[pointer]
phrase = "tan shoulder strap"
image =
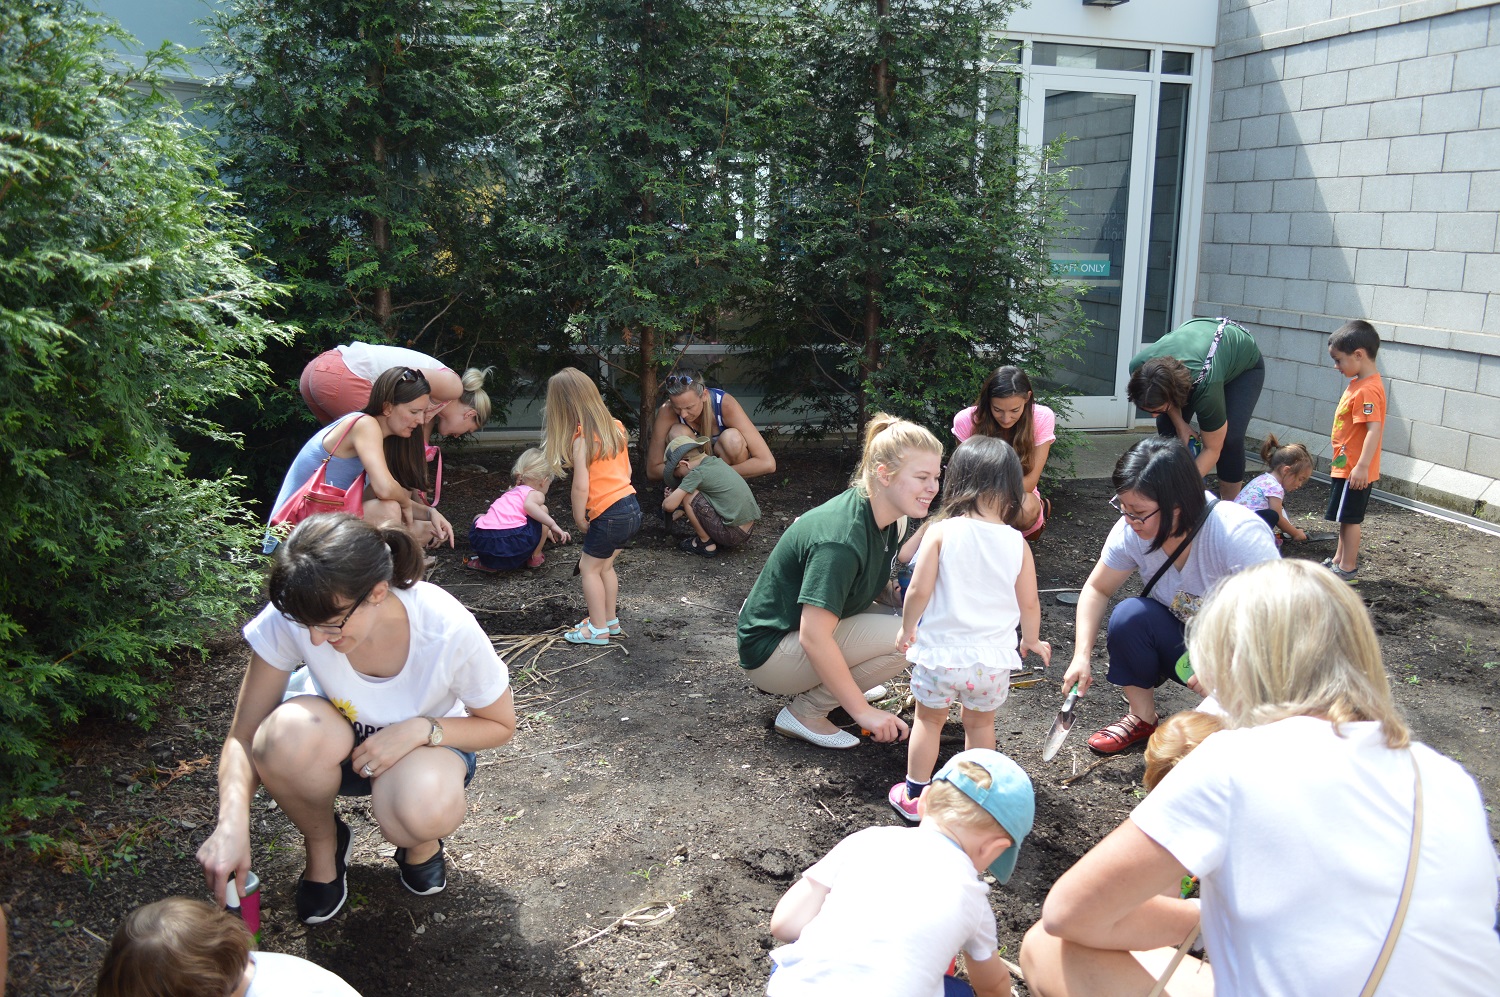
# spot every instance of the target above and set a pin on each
(1411, 877)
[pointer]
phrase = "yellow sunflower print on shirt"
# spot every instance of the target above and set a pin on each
(346, 708)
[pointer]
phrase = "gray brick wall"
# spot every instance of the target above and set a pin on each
(1354, 172)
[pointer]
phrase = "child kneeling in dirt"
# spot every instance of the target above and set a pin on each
(712, 495)
(885, 912)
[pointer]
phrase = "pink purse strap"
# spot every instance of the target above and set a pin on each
(342, 436)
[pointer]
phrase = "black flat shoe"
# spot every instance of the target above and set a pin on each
(424, 878)
(319, 902)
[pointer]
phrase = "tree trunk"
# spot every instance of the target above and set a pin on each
(380, 226)
(648, 346)
(874, 275)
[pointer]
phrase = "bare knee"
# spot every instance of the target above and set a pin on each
(1039, 960)
(382, 512)
(731, 447)
(299, 736)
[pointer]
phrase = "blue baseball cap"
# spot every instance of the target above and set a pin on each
(1009, 799)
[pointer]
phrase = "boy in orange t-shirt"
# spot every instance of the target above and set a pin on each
(1358, 424)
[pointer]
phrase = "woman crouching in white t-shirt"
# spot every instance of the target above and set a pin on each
(400, 687)
(1298, 822)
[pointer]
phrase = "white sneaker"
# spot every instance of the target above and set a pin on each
(788, 725)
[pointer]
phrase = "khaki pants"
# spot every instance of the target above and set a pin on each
(868, 641)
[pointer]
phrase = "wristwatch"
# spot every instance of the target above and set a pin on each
(434, 736)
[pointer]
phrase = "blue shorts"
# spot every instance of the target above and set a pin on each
(505, 550)
(613, 528)
(352, 783)
(1345, 504)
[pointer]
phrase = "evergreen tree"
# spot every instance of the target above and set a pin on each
(911, 241)
(127, 301)
(636, 133)
(360, 136)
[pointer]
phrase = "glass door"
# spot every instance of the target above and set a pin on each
(1108, 152)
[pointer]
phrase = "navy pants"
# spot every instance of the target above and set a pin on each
(1144, 640)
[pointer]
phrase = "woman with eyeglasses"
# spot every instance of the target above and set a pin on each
(1210, 369)
(338, 382)
(382, 441)
(363, 681)
(694, 409)
(1182, 542)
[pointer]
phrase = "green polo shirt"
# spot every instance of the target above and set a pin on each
(834, 557)
(1189, 343)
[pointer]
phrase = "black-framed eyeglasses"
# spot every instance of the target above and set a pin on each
(331, 629)
(1114, 502)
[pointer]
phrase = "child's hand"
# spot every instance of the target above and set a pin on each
(906, 638)
(1299, 534)
(560, 536)
(1041, 648)
(1359, 478)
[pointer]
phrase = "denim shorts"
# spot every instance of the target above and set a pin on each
(352, 783)
(613, 528)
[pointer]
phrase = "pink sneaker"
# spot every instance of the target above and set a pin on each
(902, 804)
(536, 561)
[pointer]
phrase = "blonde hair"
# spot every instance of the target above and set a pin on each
(1288, 638)
(530, 466)
(474, 395)
(952, 807)
(574, 403)
(1178, 735)
(887, 442)
(175, 948)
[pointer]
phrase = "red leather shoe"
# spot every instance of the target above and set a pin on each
(1123, 733)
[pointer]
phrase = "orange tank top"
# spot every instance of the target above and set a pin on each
(609, 477)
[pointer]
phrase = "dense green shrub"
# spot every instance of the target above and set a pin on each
(358, 135)
(912, 225)
(127, 307)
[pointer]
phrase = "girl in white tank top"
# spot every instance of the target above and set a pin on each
(974, 583)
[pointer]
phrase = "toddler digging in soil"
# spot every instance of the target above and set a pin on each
(853, 931)
(1288, 468)
(516, 527)
(973, 584)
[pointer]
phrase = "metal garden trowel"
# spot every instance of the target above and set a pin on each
(1060, 727)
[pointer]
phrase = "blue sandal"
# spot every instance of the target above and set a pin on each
(613, 626)
(587, 633)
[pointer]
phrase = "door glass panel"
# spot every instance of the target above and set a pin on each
(1101, 127)
(1165, 212)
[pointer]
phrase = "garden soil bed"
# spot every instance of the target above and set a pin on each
(653, 779)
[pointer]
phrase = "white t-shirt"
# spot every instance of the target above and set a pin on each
(370, 360)
(1300, 838)
(451, 663)
(1233, 539)
(278, 975)
(973, 615)
(869, 941)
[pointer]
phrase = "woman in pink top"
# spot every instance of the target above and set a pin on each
(1006, 409)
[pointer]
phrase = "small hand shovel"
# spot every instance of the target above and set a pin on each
(1060, 727)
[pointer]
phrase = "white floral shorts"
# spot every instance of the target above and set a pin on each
(978, 687)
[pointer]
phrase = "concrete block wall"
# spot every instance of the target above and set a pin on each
(1354, 172)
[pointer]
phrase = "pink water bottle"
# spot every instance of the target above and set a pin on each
(247, 910)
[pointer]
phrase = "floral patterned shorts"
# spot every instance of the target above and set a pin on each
(978, 687)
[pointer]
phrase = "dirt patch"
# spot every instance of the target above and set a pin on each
(651, 782)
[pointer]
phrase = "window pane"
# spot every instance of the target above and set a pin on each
(1004, 50)
(1125, 60)
(1177, 63)
(1162, 249)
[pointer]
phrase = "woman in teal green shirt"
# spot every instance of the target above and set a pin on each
(808, 628)
(1210, 368)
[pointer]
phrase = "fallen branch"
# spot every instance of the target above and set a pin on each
(1103, 761)
(642, 917)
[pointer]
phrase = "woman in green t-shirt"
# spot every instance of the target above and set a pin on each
(809, 629)
(1210, 368)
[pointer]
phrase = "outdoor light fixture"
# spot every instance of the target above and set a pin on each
(1104, 3)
